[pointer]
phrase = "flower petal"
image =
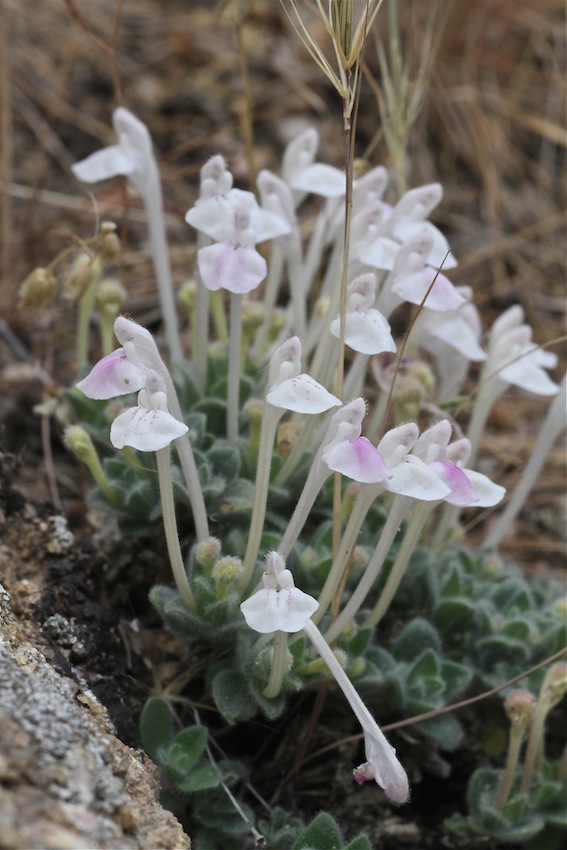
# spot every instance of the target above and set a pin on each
(112, 376)
(103, 164)
(416, 479)
(365, 331)
(285, 610)
(145, 430)
(357, 459)
(486, 491)
(302, 395)
(462, 492)
(320, 179)
(442, 296)
(223, 266)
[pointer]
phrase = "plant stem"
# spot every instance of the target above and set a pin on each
(170, 528)
(278, 665)
(233, 376)
(411, 538)
(270, 421)
(398, 511)
(160, 256)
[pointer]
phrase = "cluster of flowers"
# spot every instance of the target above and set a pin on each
(395, 256)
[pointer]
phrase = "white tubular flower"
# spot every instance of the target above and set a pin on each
(290, 390)
(366, 329)
(149, 426)
(304, 175)
(279, 606)
(381, 764)
(516, 359)
(132, 157)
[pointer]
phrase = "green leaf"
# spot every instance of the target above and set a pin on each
(445, 729)
(200, 779)
(188, 747)
(455, 615)
(237, 497)
(361, 842)
(321, 834)
(156, 727)
(232, 696)
(427, 665)
(224, 460)
(419, 634)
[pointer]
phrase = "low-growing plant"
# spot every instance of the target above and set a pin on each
(306, 551)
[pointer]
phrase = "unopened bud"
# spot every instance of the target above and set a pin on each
(227, 570)
(277, 323)
(82, 273)
(422, 373)
(554, 684)
(110, 243)
(254, 412)
(78, 441)
(287, 437)
(322, 307)
(519, 707)
(110, 297)
(38, 289)
(208, 552)
(253, 314)
(356, 668)
(188, 295)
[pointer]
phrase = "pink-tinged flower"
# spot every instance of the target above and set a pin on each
(114, 375)
(279, 606)
(234, 263)
(357, 459)
(149, 426)
(216, 207)
(383, 767)
(132, 157)
(290, 390)
(487, 493)
(411, 278)
(124, 370)
(382, 764)
(390, 464)
(366, 329)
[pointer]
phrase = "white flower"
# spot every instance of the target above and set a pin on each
(149, 426)
(132, 157)
(279, 606)
(290, 390)
(366, 329)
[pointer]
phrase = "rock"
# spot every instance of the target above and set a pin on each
(66, 781)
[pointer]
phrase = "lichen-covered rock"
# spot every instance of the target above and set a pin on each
(66, 781)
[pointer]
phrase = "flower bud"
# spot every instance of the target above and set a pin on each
(110, 297)
(38, 289)
(83, 271)
(287, 437)
(208, 552)
(253, 315)
(519, 707)
(110, 243)
(254, 412)
(227, 570)
(423, 374)
(188, 295)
